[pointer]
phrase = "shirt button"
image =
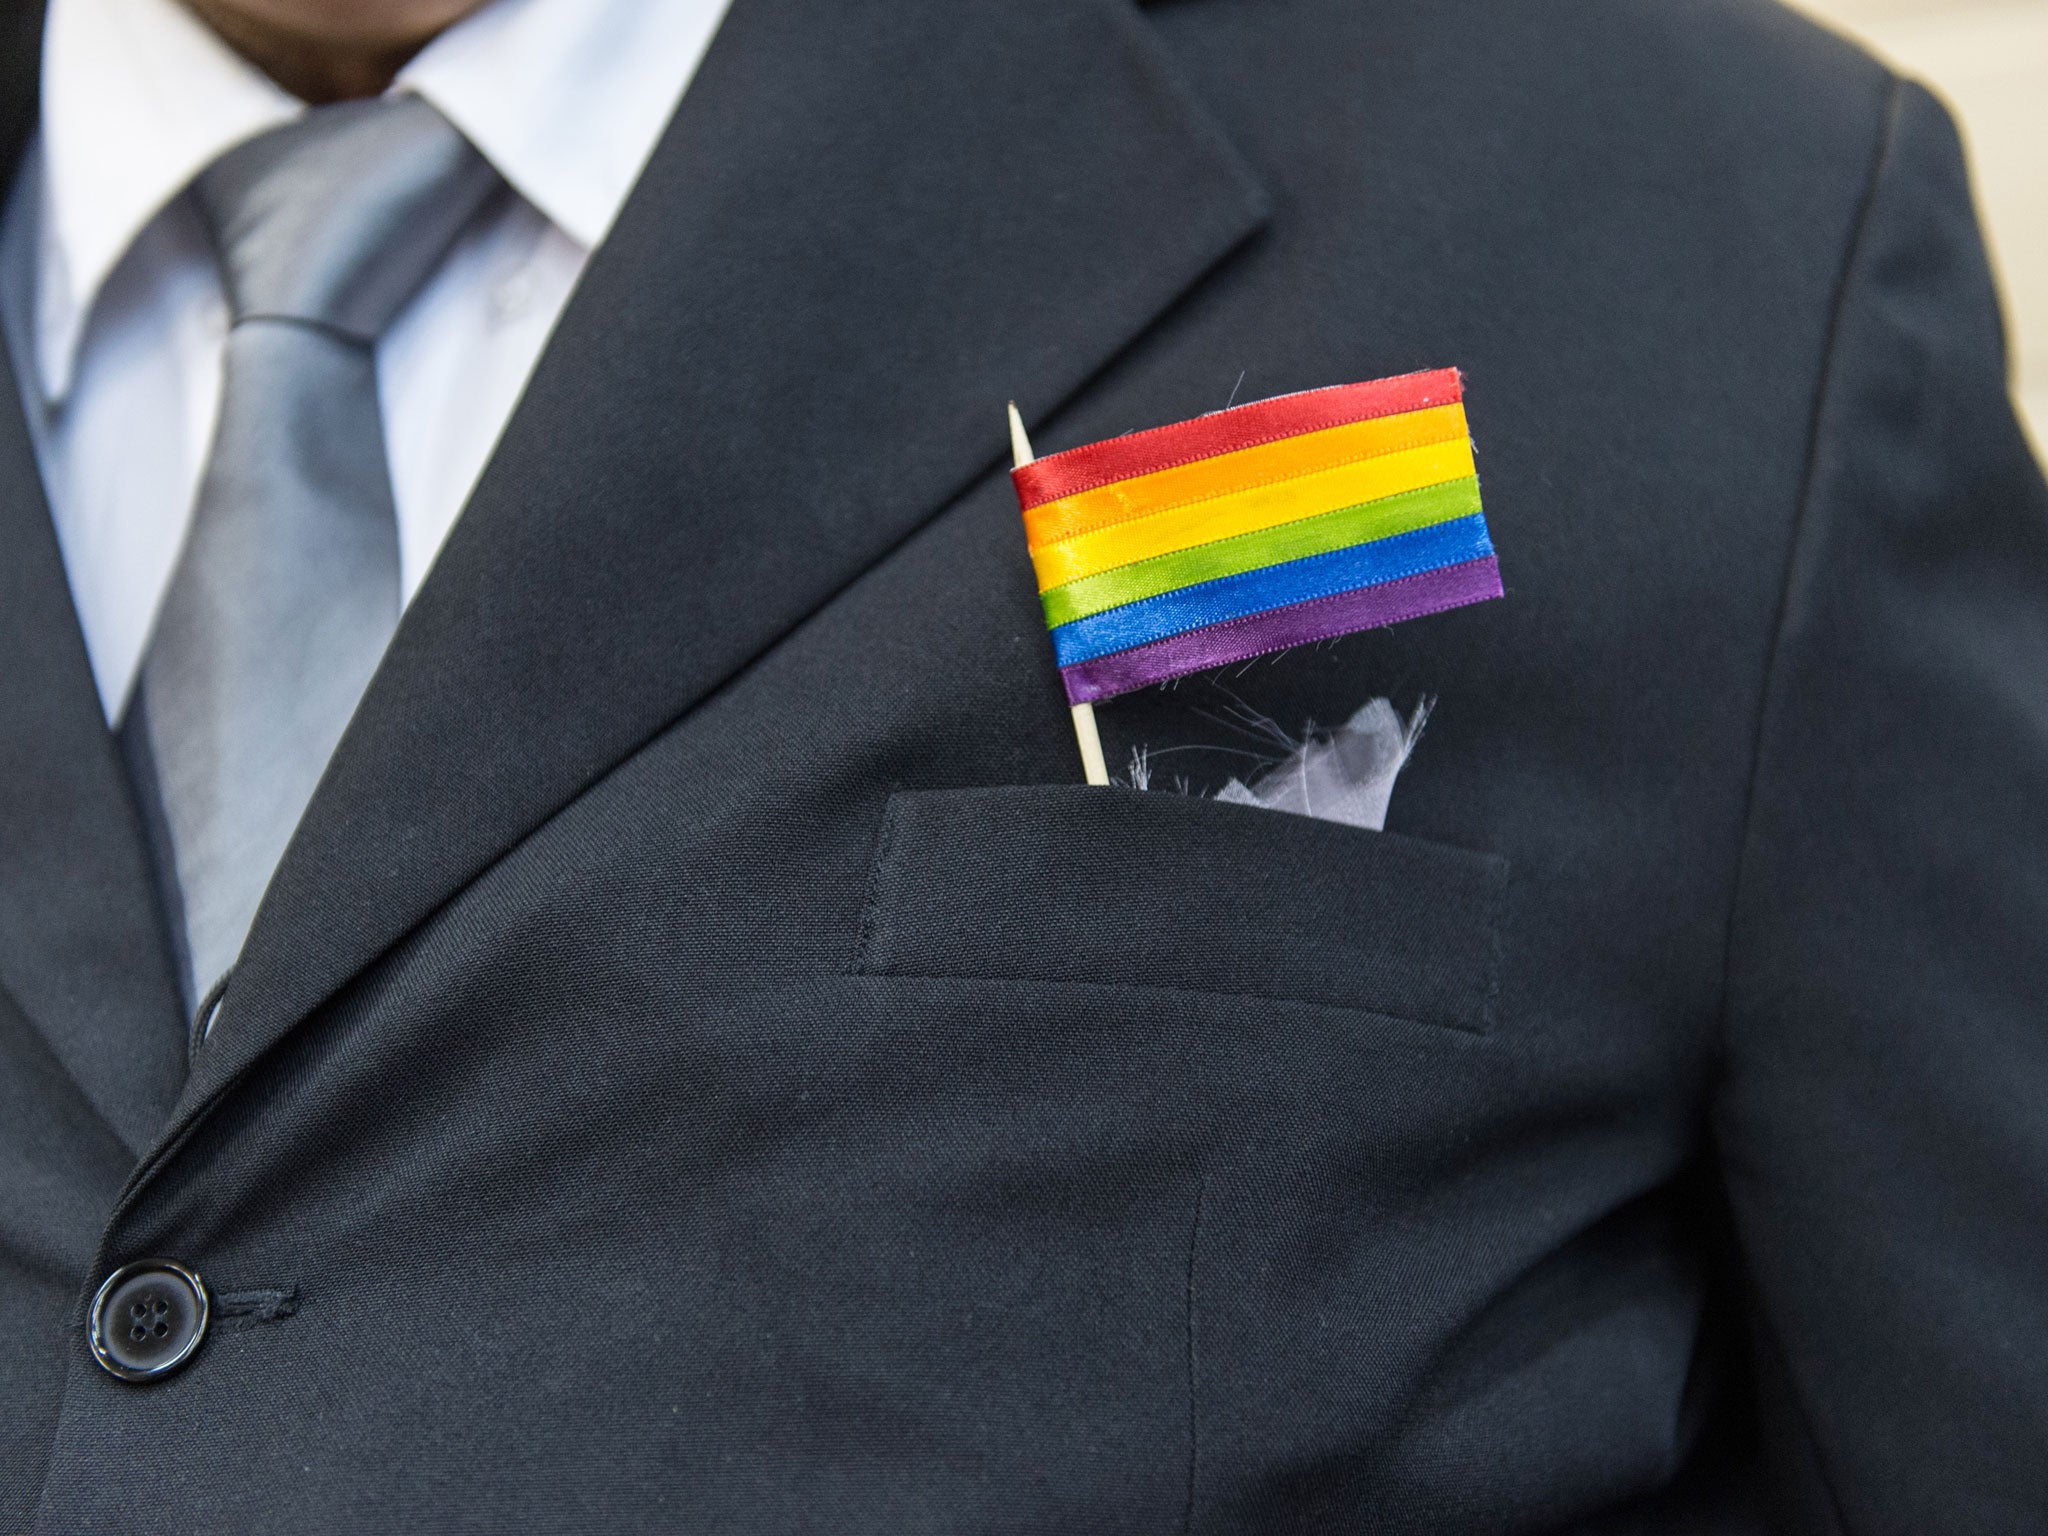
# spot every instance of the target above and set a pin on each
(148, 1319)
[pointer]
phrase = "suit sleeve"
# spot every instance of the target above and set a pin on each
(1882, 1106)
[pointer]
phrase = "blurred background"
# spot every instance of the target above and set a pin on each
(1989, 59)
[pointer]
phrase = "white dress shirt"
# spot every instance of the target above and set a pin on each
(112, 301)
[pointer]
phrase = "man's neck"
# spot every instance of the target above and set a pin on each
(316, 69)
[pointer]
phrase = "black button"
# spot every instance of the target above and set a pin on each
(148, 1319)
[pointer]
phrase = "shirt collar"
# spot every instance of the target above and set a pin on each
(139, 96)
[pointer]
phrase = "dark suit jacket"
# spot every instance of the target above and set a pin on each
(707, 1064)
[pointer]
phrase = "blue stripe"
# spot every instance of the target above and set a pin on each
(1271, 586)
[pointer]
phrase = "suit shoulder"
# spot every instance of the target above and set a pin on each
(1736, 92)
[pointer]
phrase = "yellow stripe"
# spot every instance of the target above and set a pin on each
(1266, 506)
(1225, 474)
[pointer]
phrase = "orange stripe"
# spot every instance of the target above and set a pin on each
(1241, 512)
(1246, 469)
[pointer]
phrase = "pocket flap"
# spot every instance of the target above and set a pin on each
(1122, 888)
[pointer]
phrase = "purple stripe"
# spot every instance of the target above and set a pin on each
(1324, 618)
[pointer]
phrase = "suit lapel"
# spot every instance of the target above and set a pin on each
(82, 944)
(868, 226)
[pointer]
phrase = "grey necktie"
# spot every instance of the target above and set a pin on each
(287, 589)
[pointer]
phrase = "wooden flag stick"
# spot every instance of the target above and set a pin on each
(1092, 766)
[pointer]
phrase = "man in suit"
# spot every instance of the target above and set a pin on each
(555, 969)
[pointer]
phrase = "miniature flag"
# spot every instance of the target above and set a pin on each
(1255, 529)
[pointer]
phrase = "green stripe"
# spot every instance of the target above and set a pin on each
(1297, 540)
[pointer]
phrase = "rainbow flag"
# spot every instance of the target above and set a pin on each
(1255, 529)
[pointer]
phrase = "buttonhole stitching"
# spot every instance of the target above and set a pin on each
(865, 943)
(252, 1308)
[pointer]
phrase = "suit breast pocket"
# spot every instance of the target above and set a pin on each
(1111, 887)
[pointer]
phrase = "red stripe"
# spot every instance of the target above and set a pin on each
(1246, 426)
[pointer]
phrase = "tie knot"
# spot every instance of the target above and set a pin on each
(337, 218)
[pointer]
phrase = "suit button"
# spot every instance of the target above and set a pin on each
(148, 1319)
